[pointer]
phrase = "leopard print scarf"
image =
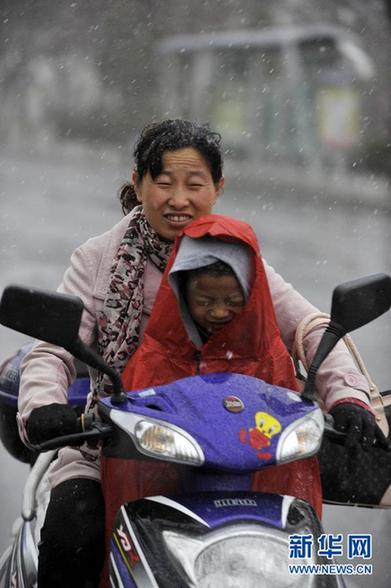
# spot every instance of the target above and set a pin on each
(120, 319)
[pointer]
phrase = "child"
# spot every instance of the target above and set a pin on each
(213, 313)
(175, 345)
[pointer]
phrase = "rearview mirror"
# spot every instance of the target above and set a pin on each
(359, 302)
(50, 316)
(354, 304)
(55, 318)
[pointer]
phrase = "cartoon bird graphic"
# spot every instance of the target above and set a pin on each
(259, 437)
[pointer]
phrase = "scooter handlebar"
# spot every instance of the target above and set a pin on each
(93, 432)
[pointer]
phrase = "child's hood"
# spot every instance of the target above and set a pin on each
(250, 344)
(194, 253)
(250, 334)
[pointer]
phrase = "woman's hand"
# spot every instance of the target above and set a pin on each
(52, 420)
(359, 425)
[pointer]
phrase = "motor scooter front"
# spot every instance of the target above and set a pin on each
(218, 429)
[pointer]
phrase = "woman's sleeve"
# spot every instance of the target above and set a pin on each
(338, 377)
(48, 370)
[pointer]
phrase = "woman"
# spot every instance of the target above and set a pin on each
(177, 179)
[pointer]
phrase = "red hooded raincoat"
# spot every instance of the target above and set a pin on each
(166, 354)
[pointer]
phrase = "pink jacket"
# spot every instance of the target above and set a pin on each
(47, 371)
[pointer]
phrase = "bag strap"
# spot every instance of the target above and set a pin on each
(319, 318)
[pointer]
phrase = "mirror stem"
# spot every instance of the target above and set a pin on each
(90, 357)
(333, 333)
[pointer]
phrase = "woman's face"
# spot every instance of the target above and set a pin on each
(181, 193)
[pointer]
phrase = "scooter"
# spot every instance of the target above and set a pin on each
(217, 532)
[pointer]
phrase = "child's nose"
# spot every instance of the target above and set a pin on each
(220, 311)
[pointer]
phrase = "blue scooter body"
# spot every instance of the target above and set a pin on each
(172, 540)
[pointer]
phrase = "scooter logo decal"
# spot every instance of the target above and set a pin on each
(223, 502)
(125, 542)
(233, 404)
(129, 553)
(259, 437)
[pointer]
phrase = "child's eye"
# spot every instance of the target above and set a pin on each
(195, 186)
(237, 302)
(203, 302)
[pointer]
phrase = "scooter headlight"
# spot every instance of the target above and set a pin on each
(158, 440)
(302, 438)
(247, 556)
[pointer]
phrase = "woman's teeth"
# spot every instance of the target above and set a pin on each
(178, 217)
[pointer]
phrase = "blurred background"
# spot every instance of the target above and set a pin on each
(302, 83)
(299, 89)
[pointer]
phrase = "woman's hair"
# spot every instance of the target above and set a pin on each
(169, 135)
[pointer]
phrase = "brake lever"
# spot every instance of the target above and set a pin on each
(98, 432)
(331, 432)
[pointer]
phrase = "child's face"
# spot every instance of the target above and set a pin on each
(214, 301)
